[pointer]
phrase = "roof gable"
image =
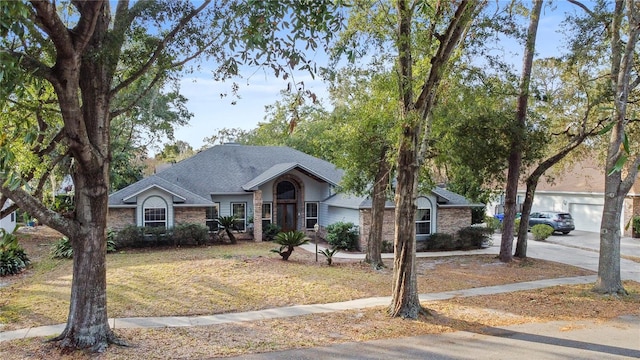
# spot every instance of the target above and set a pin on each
(232, 169)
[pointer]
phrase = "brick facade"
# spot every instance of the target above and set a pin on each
(449, 221)
(184, 215)
(119, 218)
(388, 227)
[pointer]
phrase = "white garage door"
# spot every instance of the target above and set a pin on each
(586, 217)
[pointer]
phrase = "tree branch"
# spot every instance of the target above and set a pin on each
(158, 51)
(47, 18)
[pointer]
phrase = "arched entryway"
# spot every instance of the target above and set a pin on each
(287, 209)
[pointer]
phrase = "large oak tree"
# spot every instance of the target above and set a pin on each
(88, 54)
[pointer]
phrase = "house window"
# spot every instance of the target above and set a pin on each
(13, 216)
(155, 212)
(238, 210)
(423, 222)
(286, 191)
(212, 215)
(311, 214)
(155, 217)
(266, 215)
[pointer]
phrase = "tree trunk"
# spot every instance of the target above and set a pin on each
(378, 200)
(609, 280)
(616, 188)
(405, 302)
(515, 156)
(87, 326)
(523, 230)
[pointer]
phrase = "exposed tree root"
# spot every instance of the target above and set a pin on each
(68, 344)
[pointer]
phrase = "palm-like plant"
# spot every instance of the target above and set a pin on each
(228, 223)
(328, 253)
(288, 241)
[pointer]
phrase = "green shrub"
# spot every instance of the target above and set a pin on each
(492, 223)
(288, 241)
(541, 231)
(130, 236)
(636, 225)
(270, 231)
(13, 259)
(440, 242)
(157, 236)
(474, 237)
(342, 235)
(190, 234)
(62, 249)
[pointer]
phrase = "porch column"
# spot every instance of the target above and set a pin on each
(257, 215)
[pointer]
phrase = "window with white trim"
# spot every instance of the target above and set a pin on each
(239, 211)
(266, 215)
(212, 214)
(423, 222)
(311, 214)
(155, 212)
(155, 217)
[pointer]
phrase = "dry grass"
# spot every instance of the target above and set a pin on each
(218, 279)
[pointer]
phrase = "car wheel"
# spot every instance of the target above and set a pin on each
(565, 232)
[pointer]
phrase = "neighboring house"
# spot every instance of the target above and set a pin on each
(579, 190)
(263, 185)
(8, 223)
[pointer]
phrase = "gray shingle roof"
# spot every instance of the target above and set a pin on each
(226, 168)
(445, 197)
(127, 195)
(452, 199)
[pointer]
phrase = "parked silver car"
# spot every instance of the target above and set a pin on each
(559, 221)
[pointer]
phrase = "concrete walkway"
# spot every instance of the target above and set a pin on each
(544, 250)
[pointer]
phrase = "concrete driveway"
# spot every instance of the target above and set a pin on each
(582, 249)
(591, 240)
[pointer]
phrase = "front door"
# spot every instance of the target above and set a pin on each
(287, 216)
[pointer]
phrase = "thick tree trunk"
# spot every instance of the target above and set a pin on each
(616, 188)
(405, 302)
(87, 326)
(378, 200)
(609, 279)
(515, 156)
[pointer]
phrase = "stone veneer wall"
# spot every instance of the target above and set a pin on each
(450, 220)
(119, 218)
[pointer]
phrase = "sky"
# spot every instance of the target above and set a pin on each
(261, 88)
